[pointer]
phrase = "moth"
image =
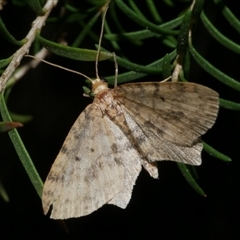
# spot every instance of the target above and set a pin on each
(126, 128)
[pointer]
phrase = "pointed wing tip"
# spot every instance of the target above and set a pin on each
(45, 207)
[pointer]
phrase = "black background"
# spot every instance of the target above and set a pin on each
(162, 209)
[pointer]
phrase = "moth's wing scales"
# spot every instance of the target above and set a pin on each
(89, 171)
(131, 160)
(165, 115)
(151, 168)
(181, 111)
(155, 148)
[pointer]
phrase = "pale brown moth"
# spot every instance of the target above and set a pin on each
(126, 128)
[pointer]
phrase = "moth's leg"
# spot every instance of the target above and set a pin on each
(116, 69)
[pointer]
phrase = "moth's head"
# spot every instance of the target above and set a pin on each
(98, 85)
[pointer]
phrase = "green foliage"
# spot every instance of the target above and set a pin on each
(146, 25)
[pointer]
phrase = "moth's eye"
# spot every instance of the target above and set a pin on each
(103, 79)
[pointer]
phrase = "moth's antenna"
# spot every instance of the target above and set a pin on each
(55, 65)
(105, 8)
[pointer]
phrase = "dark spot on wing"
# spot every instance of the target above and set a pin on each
(101, 165)
(92, 150)
(176, 115)
(67, 201)
(77, 158)
(52, 178)
(87, 199)
(160, 132)
(156, 92)
(141, 139)
(114, 148)
(147, 124)
(64, 149)
(118, 160)
(182, 87)
(91, 174)
(49, 193)
(76, 135)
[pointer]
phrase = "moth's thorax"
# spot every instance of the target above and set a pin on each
(108, 104)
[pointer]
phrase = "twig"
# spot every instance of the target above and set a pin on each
(21, 71)
(2, 3)
(179, 59)
(36, 25)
